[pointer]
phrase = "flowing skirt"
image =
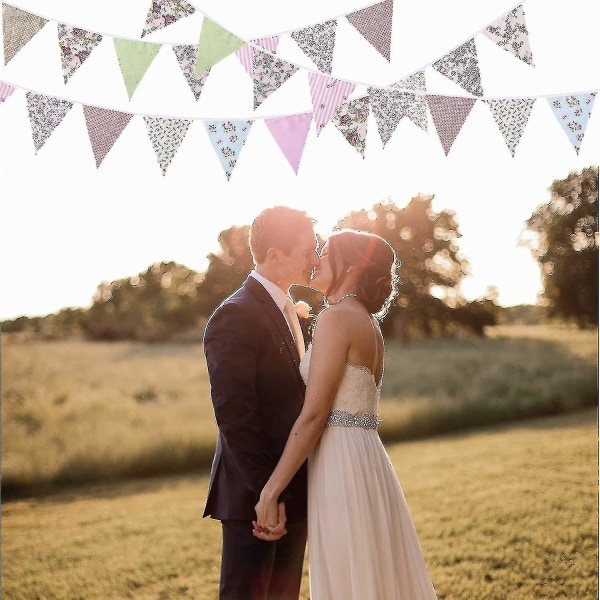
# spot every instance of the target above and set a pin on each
(362, 544)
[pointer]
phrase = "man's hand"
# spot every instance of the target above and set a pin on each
(262, 530)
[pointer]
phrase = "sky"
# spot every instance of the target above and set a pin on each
(66, 226)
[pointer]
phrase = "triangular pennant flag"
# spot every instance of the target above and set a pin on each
(573, 113)
(245, 54)
(374, 23)
(104, 128)
(76, 45)
(166, 136)
(215, 44)
(388, 108)
(449, 114)
(269, 73)
(510, 32)
(134, 59)
(351, 119)
(290, 134)
(511, 116)
(268, 43)
(414, 106)
(186, 57)
(462, 67)
(327, 94)
(45, 113)
(318, 43)
(18, 27)
(5, 91)
(228, 138)
(165, 12)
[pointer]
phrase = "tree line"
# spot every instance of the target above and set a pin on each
(171, 301)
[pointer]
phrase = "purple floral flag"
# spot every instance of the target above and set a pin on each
(449, 114)
(327, 94)
(76, 45)
(104, 128)
(269, 74)
(18, 27)
(166, 136)
(374, 23)
(186, 57)
(45, 113)
(166, 12)
(5, 91)
(510, 33)
(228, 139)
(511, 116)
(351, 119)
(290, 133)
(573, 113)
(318, 43)
(462, 67)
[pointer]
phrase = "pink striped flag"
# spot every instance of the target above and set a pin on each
(246, 52)
(327, 95)
(5, 91)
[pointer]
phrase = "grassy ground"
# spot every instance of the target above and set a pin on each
(508, 512)
(78, 411)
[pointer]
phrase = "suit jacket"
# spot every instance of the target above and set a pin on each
(257, 394)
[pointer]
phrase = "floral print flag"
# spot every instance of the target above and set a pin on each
(449, 114)
(351, 119)
(228, 139)
(166, 136)
(462, 67)
(573, 113)
(18, 27)
(374, 23)
(270, 73)
(318, 43)
(510, 32)
(327, 93)
(414, 106)
(511, 116)
(290, 134)
(76, 45)
(388, 108)
(5, 91)
(45, 113)
(104, 127)
(186, 57)
(165, 12)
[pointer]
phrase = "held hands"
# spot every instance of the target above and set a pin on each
(270, 520)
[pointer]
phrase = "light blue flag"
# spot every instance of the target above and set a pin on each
(228, 138)
(573, 113)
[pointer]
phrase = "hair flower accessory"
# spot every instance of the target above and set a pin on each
(302, 309)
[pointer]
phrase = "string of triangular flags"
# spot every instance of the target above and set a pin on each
(228, 136)
(258, 56)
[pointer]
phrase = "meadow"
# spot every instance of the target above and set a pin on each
(77, 412)
(505, 512)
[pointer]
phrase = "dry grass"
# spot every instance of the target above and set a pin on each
(510, 512)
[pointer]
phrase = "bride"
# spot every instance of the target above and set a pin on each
(362, 543)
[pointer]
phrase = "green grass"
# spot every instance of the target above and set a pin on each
(75, 411)
(510, 512)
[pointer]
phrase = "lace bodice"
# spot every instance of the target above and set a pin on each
(358, 392)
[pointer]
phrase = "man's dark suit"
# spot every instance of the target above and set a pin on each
(257, 394)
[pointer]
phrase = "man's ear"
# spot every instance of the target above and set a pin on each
(273, 254)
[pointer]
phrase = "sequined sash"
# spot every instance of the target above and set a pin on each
(343, 418)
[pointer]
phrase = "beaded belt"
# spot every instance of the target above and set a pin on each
(343, 418)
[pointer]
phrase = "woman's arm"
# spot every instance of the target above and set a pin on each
(328, 361)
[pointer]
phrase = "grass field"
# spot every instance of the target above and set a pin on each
(76, 411)
(509, 512)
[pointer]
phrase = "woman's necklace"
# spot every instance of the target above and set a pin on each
(330, 303)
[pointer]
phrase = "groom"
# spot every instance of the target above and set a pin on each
(253, 347)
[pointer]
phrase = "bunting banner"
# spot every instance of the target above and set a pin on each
(318, 43)
(166, 136)
(511, 116)
(374, 23)
(163, 13)
(462, 67)
(449, 114)
(269, 73)
(18, 28)
(134, 59)
(186, 58)
(5, 91)
(45, 114)
(104, 128)
(510, 33)
(228, 139)
(76, 45)
(351, 120)
(573, 113)
(327, 94)
(215, 44)
(290, 134)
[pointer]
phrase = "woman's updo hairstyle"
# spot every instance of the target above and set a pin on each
(377, 263)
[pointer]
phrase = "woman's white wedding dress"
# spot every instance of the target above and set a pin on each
(362, 544)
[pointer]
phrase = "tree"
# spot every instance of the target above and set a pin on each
(567, 247)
